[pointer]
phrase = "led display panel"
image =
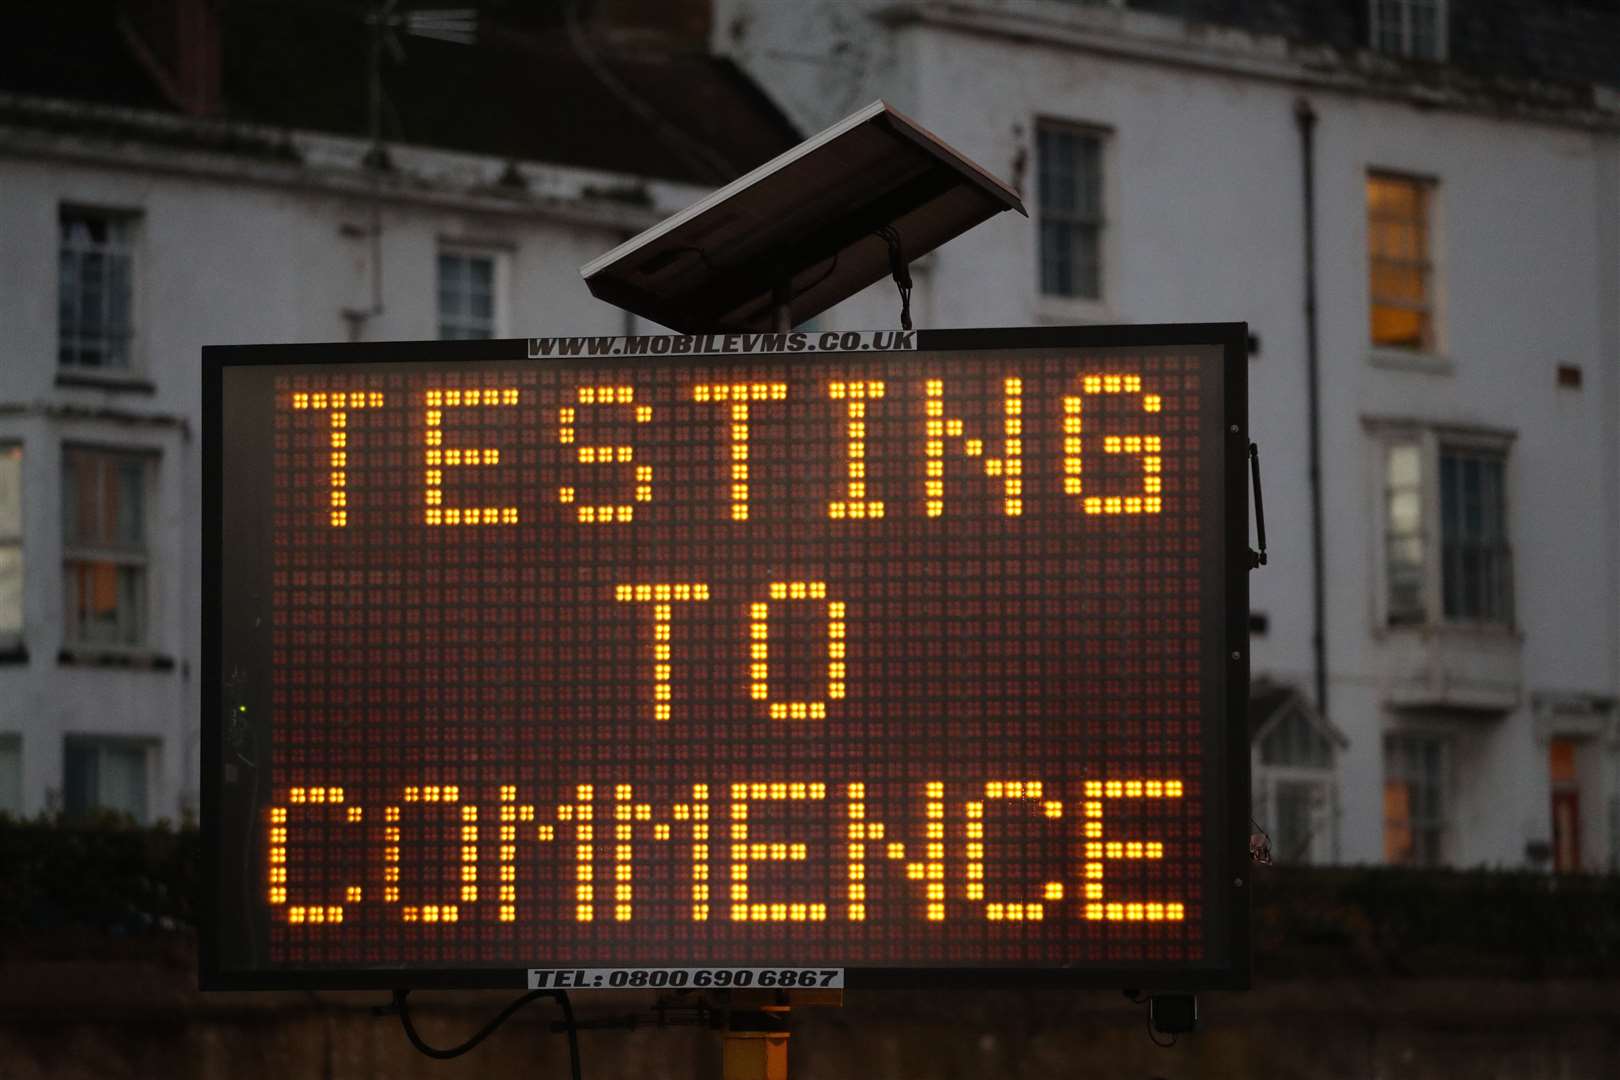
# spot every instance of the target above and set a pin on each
(920, 658)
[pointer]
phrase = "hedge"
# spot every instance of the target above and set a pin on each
(114, 877)
(105, 874)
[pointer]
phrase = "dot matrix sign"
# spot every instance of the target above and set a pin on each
(883, 660)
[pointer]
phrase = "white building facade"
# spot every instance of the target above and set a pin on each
(1466, 328)
(123, 255)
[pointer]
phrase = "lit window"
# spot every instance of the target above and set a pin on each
(1400, 275)
(106, 775)
(104, 546)
(467, 283)
(1403, 532)
(1462, 482)
(1410, 28)
(1477, 569)
(1564, 776)
(11, 775)
(1071, 217)
(95, 289)
(11, 551)
(1415, 799)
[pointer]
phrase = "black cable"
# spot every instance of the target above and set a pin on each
(573, 1032)
(1136, 997)
(900, 271)
(1153, 1038)
(402, 1007)
(701, 254)
(822, 278)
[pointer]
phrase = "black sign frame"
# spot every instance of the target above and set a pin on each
(1231, 850)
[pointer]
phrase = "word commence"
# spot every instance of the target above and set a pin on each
(721, 823)
(740, 404)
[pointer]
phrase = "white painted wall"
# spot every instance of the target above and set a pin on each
(230, 251)
(1204, 211)
(1204, 208)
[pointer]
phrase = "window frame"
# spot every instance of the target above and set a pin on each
(11, 641)
(1429, 352)
(1069, 304)
(1268, 779)
(75, 553)
(149, 749)
(1323, 779)
(1467, 444)
(499, 258)
(128, 248)
(1445, 824)
(1406, 32)
(1432, 441)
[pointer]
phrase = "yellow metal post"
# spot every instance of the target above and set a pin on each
(756, 1045)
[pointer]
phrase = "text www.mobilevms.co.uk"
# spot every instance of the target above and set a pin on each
(708, 344)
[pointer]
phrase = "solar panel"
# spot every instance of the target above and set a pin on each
(803, 227)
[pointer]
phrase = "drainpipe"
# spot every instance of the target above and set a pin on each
(1305, 120)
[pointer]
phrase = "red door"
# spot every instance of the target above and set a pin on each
(1566, 822)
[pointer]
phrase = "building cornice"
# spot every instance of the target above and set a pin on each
(238, 153)
(1120, 33)
(66, 411)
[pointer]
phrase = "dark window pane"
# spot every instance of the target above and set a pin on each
(1083, 249)
(118, 296)
(466, 296)
(95, 291)
(1295, 826)
(78, 778)
(1054, 258)
(122, 778)
(127, 524)
(1477, 577)
(1069, 178)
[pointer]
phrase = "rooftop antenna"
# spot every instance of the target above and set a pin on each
(385, 23)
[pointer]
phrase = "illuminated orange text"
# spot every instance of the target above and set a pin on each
(743, 846)
(339, 402)
(438, 457)
(622, 454)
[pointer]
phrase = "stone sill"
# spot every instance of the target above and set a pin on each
(1423, 363)
(1071, 311)
(95, 381)
(1470, 668)
(94, 656)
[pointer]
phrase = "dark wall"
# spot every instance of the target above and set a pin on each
(104, 1009)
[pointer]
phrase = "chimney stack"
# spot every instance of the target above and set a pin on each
(177, 42)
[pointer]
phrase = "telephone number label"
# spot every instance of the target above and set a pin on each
(774, 978)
